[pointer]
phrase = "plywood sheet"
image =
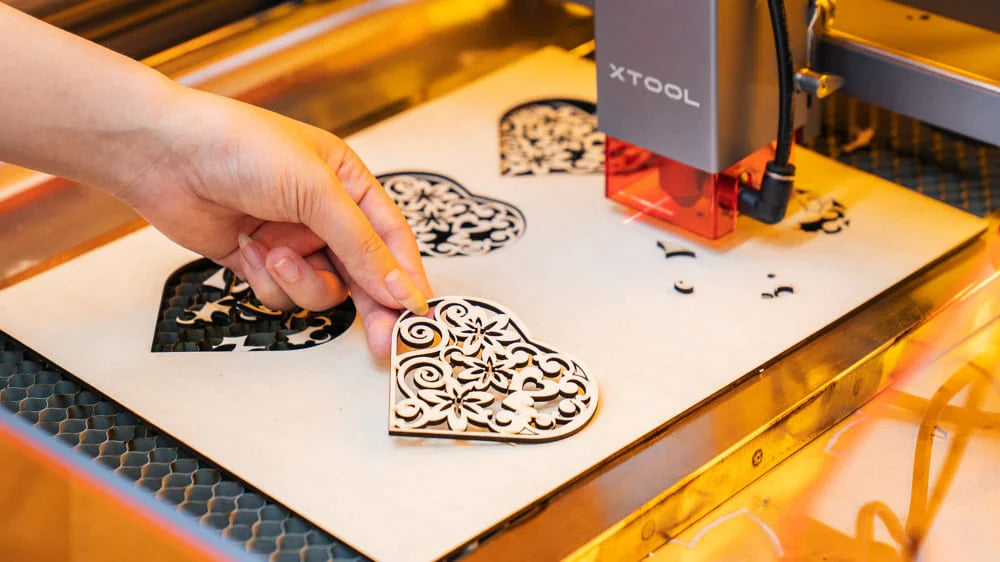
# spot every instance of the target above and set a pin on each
(309, 426)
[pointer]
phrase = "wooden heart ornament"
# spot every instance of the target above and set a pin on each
(470, 370)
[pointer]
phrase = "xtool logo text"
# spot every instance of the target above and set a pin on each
(652, 84)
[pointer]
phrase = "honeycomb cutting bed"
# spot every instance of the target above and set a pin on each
(190, 289)
(70, 410)
(959, 171)
(288, 421)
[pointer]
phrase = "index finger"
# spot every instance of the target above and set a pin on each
(385, 217)
(332, 213)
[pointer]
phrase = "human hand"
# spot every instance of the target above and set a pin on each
(212, 174)
(289, 207)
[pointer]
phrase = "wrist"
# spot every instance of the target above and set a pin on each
(152, 131)
(74, 109)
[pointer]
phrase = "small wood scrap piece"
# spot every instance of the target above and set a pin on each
(683, 288)
(671, 250)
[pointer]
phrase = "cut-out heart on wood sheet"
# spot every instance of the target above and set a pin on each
(448, 220)
(551, 136)
(470, 370)
(821, 213)
(205, 307)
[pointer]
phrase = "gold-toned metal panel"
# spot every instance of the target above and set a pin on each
(910, 475)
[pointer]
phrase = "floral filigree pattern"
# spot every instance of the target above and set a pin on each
(207, 308)
(449, 221)
(553, 136)
(471, 371)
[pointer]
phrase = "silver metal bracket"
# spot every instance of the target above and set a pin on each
(930, 68)
(819, 84)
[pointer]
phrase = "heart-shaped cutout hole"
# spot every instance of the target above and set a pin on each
(448, 220)
(471, 370)
(551, 136)
(205, 307)
(821, 214)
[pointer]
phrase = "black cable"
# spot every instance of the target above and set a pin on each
(770, 202)
(786, 74)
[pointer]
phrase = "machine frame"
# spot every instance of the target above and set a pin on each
(678, 473)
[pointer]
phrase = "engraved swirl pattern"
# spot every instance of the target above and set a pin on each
(470, 370)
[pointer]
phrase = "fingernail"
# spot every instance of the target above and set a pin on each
(250, 251)
(402, 289)
(287, 269)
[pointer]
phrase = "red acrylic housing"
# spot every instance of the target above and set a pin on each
(700, 202)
